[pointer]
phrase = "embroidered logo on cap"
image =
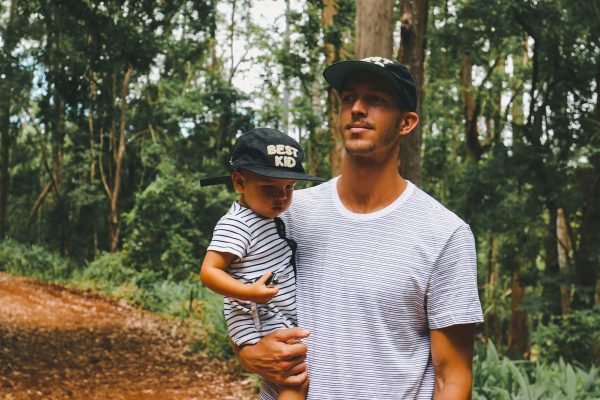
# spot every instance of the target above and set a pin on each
(284, 155)
(378, 60)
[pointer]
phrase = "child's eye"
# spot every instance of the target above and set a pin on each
(291, 187)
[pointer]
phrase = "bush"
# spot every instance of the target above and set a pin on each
(34, 261)
(499, 379)
(106, 272)
(167, 229)
(216, 341)
(571, 337)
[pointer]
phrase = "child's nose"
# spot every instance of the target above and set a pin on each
(280, 194)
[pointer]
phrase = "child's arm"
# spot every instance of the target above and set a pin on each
(214, 277)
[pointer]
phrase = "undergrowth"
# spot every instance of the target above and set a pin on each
(494, 377)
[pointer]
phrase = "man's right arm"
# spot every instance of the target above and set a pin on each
(278, 357)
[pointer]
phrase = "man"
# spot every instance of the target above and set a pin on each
(387, 288)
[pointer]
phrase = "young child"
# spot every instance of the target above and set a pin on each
(250, 260)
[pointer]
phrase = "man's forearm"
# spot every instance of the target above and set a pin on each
(452, 357)
(455, 388)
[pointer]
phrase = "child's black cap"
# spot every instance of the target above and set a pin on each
(267, 152)
(396, 74)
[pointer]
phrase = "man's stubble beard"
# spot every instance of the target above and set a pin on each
(389, 137)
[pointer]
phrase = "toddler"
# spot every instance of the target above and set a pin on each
(250, 261)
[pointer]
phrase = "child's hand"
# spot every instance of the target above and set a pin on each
(259, 292)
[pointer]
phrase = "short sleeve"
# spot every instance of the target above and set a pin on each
(452, 296)
(231, 236)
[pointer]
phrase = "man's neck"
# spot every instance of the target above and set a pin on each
(365, 188)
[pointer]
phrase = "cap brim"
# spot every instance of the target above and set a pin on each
(282, 174)
(218, 180)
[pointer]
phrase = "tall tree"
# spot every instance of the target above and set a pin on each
(412, 54)
(15, 83)
(374, 28)
(337, 24)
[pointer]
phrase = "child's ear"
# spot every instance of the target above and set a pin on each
(238, 181)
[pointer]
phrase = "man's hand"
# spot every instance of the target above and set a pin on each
(278, 357)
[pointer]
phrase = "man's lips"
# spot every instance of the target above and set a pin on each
(358, 126)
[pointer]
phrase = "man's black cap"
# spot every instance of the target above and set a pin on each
(267, 152)
(396, 74)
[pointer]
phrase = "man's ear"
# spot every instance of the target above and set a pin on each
(409, 122)
(239, 182)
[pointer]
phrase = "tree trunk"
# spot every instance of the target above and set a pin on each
(332, 54)
(412, 54)
(563, 247)
(5, 142)
(115, 222)
(551, 291)
(517, 326)
(92, 143)
(587, 258)
(471, 111)
(112, 180)
(374, 28)
(492, 327)
(285, 96)
(5, 133)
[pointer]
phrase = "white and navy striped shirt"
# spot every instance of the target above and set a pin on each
(258, 248)
(371, 286)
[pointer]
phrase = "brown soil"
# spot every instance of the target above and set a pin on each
(59, 343)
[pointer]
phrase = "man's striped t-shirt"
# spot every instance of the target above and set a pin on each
(370, 288)
(258, 248)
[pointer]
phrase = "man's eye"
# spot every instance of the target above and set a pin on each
(291, 187)
(347, 98)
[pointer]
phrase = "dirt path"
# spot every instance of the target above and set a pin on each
(58, 343)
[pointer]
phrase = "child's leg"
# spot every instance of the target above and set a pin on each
(297, 392)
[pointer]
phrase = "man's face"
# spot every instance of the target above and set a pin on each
(370, 115)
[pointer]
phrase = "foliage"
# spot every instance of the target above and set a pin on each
(573, 337)
(106, 273)
(496, 378)
(216, 342)
(168, 228)
(33, 260)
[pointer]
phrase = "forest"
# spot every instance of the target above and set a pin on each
(112, 111)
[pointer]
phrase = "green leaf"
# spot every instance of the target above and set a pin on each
(520, 379)
(571, 384)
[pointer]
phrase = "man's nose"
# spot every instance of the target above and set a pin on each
(359, 107)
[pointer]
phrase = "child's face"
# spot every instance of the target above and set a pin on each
(268, 197)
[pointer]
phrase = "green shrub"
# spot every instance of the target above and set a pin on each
(571, 337)
(496, 378)
(216, 341)
(167, 229)
(106, 272)
(34, 261)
